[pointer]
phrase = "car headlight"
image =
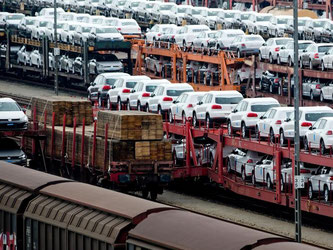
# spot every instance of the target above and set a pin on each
(24, 118)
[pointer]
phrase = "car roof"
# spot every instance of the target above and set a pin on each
(114, 74)
(178, 85)
(129, 77)
(323, 44)
(318, 108)
(261, 99)
(154, 81)
(6, 99)
(283, 108)
(284, 16)
(327, 118)
(226, 92)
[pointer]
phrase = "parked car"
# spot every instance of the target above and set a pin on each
(259, 23)
(42, 27)
(78, 65)
(118, 94)
(157, 31)
(224, 38)
(49, 12)
(67, 33)
(279, 25)
(105, 34)
(36, 59)
(247, 45)
(313, 55)
(188, 33)
(81, 18)
(246, 114)
(26, 25)
(203, 39)
(194, 15)
(143, 12)
(322, 30)
(169, 35)
(242, 162)
(99, 88)
(320, 135)
(128, 27)
(116, 8)
(245, 19)
(321, 184)
(12, 116)
(23, 56)
(327, 60)
(211, 17)
(11, 21)
(227, 18)
(270, 82)
(308, 116)
(67, 16)
(180, 14)
(11, 152)
(182, 108)
(82, 33)
(155, 64)
(271, 48)
(286, 53)
(312, 88)
(96, 20)
(161, 99)
(326, 92)
(66, 64)
(215, 106)
(140, 94)
(105, 63)
(270, 122)
(162, 12)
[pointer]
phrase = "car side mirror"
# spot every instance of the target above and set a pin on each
(133, 91)
(313, 172)
(152, 95)
(174, 102)
(264, 44)
(287, 120)
(326, 53)
(311, 128)
(261, 117)
(304, 50)
(234, 111)
(283, 47)
(24, 110)
(199, 103)
(92, 84)
(148, 30)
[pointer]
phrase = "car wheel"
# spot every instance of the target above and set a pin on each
(256, 131)
(290, 62)
(184, 46)
(147, 107)
(230, 133)
(183, 117)
(322, 66)
(138, 106)
(253, 179)
(194, 119)
(260, 57)
(239, 54)
(271, 59)
(170, 117)
(119, 107)
(159, 110)
(311, 194)
(278, 60)
(208, 121)
(310, 64)
(301, 63)
(269, 182)
(100, 104)
(243, 130)
(322, 147)
(282, 139)
(243, 174)
(326, 194)
(128, 105)
(108, 104)
(306, 144)
(322, 97)
(271, 136)
(229, 166)
(311, 96)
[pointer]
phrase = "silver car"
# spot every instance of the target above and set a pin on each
(313, 55)
(321, 183)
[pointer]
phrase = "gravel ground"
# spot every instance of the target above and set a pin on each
(24, 89)
(246, 217)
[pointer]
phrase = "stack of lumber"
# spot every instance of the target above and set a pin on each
(153, 150)
(130, 125)
(60, 105)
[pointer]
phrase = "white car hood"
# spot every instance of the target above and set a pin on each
(267, 24)
(11, 115)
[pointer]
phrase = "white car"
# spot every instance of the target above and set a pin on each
(271, 48)
(105, 34)
(242, 162)
(216, 106)
(109, 21)
(259, 23)
(286, 53)
(279, 25)
(143, 12)
(203, 39)
(43, 27)
(157, 31)
(163, 96)
(36, 59)
(320, 135)
(246, 114)
(307, 116)
(188, 33)
(140, 94)
(128, 27)
(81, 18)
(247, 20)
(327, 60)
(224, 38)
(118, 94)
(194, 15)
(321, 183)
(67, 33)
(212, 17)
(162, 12)
(182, 108)
(23, 56)
(326, 92)
(227, 18)
(67, 16)
(12, 116)
(245, 45)
(49, 12)
(180, 14)
(270, 122)
(81, 34)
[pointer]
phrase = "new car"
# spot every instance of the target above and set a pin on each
(188, 33)
(128, 27)
(203, 39)
(271, 48)
(105, 34)
(224, 38)
(321, 184)
(312, 55)
(11, 152)
(12, 116)
(105, 63)
(157, 31)
(286, 53)
(245, 45)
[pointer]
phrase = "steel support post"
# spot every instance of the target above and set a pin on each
(298, 218)
(55, 52)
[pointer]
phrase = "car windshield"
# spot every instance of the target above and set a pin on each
(106, 30)
(181, 10)
(213, 13)
(263, 18)
(103, 57)
(121, 3)
(135, 4)
(324, 49)
(176, 92)
(60, 25)
(130, 84)
(110, 81)
(263, 107)
(86, 29)
(312, 117)
(30, 22)
(301, 22)
(282, 21)
(166, 7)
(211, 35)
(198, 30)
(72, 27)
(14, 17)
(196, 12)
(233, 35)
(94, 1)
(9, 106)
(253, 38)
(128, 23)
(43, 24)
(228, 100)
(108, 1)
(97, 21)
(229, 15)
(149, 5)
(245, 16)
(319, 24)
(282, 41)
(150, 88)
(83, 19)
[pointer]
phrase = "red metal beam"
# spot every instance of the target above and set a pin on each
(94, 147)
(106, 146)
(63, 141)
(74, 144)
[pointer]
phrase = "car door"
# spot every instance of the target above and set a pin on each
(318, 131)
(268, 121)
(113, 93)
(153, 103)
(135, 94)
(265, 49)
(179, 105)
(262, 124)
(236, 115)
(203, 107)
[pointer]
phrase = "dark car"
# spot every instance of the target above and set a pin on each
(11, 152)
(270, 82)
